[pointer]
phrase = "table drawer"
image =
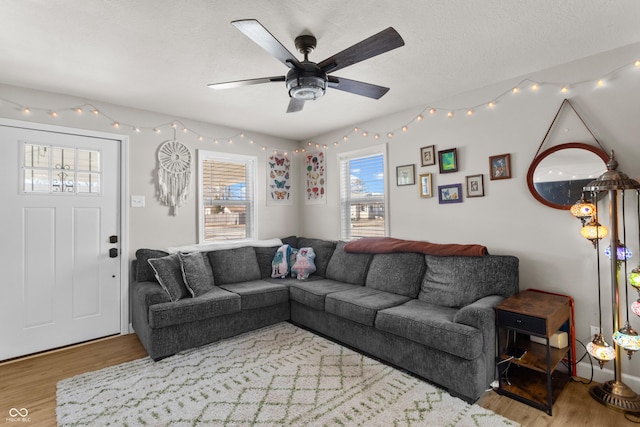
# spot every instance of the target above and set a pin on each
(534, 325)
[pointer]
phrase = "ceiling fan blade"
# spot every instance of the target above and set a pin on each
(382, 42)
(295, 105)
(359, 88)
(263, 38)
(249, 82)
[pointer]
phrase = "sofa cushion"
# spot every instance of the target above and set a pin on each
(458, 281)
(144, 272)
(216, 302)
(347, 267)
(258, 293)
(169, 274)
(361, 304)
(196, 273)
(234, 265)
(291, 241)
(399, 273)
(264, 255)
(313, 293)
(323, 250)
(433, 326)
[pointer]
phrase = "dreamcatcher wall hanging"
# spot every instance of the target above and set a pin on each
(174, 174)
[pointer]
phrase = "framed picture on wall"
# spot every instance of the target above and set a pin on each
(451, 193)
(428, 155)
(500, 166)
(475, 185)
(406, 175)
(448, 160)
(425, 185)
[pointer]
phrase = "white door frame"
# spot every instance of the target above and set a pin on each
(123, 140)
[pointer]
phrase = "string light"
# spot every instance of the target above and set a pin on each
(563, 88)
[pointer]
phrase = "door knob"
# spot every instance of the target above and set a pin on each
(113, 253)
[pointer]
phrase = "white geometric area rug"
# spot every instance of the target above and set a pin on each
(276, 376)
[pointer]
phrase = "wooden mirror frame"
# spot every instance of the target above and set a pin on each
(539, 158)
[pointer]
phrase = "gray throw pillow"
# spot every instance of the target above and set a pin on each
(144, 272)
(196, 272)
(169, 275)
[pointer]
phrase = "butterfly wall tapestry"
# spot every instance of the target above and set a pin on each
(278, 179)
(316, 183)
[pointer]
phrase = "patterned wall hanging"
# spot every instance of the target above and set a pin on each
(315, 174)
(279, 179)
(174, 174)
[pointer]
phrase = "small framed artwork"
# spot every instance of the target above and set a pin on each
(451, 193)
(448, 160)
(500, 166)
(428, 155)
(406, 175)
(425, 185)
(475, 185)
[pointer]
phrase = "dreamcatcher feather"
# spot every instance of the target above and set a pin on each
(174, 174)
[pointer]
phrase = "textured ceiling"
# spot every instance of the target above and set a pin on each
(159, 55)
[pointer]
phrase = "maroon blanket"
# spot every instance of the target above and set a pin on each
(385, 245)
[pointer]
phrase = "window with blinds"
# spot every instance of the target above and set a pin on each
(363, 210)
(226, 201)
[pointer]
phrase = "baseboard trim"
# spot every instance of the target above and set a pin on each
(606, 374)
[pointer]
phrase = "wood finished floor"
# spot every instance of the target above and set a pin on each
(31, 383)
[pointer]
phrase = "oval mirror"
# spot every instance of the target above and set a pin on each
(556, 176)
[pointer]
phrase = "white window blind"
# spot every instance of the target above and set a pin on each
(362, 193)
(226, 204)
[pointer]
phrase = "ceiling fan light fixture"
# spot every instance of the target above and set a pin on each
(307, 88)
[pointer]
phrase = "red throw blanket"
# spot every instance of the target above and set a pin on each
(385, 245)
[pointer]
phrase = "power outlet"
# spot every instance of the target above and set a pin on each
(594, 330)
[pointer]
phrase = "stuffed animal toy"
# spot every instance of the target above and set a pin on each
(304, 264)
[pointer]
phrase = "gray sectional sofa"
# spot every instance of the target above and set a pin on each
(430, 315)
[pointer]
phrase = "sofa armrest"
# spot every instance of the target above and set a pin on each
(147, 294)
(479, 314)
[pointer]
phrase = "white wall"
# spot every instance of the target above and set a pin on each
(153, 226)
(508, 220)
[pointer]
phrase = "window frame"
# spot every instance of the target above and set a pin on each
(251, 173)
(345, 188)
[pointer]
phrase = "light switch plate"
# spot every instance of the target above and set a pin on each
(137, 201)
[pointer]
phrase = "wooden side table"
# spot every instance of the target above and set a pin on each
(532, 378)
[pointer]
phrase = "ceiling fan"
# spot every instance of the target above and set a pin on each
(306, 80)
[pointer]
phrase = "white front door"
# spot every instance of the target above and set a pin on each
(60, 281)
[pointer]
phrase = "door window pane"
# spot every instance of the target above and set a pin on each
(60, 170)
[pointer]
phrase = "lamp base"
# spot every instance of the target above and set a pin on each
(616, 395)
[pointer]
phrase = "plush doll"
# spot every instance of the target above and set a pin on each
(304, 264)
(282, 261)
